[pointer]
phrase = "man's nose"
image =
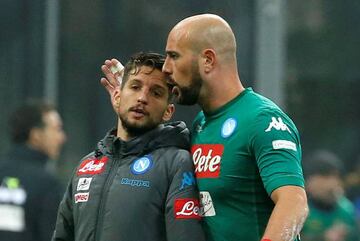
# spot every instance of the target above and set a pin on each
(143, 96)
(166, 67)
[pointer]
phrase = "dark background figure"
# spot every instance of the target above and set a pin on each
(29, 192)
(332, 215)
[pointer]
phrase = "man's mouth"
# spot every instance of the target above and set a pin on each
(138, 111)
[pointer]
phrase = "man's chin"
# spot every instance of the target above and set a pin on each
(136, 129)
(181, 100)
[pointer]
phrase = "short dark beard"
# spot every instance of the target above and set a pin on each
(190, 95)
(134, 130)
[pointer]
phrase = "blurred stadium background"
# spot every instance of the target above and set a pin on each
(302, 54)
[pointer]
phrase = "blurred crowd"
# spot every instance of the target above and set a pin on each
(334, 198)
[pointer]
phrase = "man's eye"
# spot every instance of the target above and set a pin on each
(157, 93)
(173, 55)
(135, 87)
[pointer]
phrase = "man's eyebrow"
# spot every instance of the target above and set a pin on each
(135, 80)
(157, 86)
(170, 52)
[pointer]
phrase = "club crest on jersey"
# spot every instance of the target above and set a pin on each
(141, 165)
(207, 160)
(228, 127)
(92, 166)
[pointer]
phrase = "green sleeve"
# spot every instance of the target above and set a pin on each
(276, 145)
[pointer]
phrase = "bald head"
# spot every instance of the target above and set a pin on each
(206, 31)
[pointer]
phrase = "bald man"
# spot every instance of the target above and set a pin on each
(246, 150)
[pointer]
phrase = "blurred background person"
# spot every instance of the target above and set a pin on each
(332, 215)
(29, 193)
(352, 184)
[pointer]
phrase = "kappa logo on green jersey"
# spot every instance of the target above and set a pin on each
(277, 124)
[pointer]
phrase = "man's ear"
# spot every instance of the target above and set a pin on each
(35, 136)
(168, 112)
(115, 98)
(208, 59)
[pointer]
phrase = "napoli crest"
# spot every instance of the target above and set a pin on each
(228, 127)
(141, 165)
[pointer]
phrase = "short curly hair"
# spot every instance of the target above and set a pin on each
(149, 59)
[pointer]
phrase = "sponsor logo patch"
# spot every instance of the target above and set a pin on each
(206, 205)
(83, 184)
(277, 124)
(228, 127)
(81, 197)
(141, 165)
(188, 180)
(284, 144)
(92, 166)
(207, 160)
(135, 182)
(186, 208)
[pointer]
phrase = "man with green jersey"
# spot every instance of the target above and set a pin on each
(246, 151)
(229, 146)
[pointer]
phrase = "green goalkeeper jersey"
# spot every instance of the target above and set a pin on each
(242, 152)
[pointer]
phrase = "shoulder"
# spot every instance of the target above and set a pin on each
(175, 158)
(175, 154)
(267, 116)
(89, 156)
(197, 121)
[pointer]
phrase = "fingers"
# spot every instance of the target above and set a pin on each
(111, 78)
(117, 69)
(111, 72)
(106, 84)
(110, 81)
(116, 63)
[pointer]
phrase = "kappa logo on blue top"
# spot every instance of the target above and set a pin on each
(188, 180)
(141, 165)
(228, 127)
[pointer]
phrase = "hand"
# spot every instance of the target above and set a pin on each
(112, 79)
